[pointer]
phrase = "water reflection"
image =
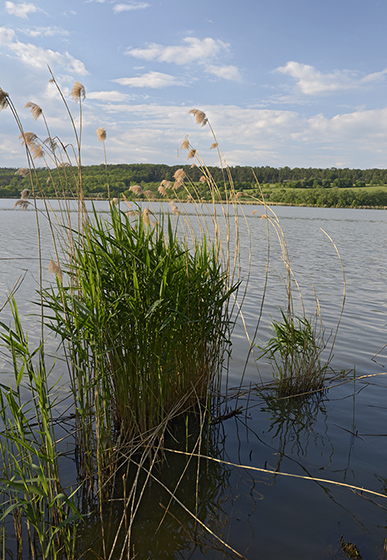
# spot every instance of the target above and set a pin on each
(180, 511)
(292, 422)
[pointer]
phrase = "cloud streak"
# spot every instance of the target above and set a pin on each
(193, 50)
(130, 7)
(20, 10)
(38, 57)
(313, 82)
(152, 80)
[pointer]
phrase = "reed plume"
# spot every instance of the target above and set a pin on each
(22, 171)
(55, 269)
(35, 109)
(166, 184)
(78, 92)
(4, 99)
(191, 154)
(136, 189)
(149, 194)
(199, 116)
(101, 134)
(179, 175)
(162, 191)
(22, 203)
(185, 144)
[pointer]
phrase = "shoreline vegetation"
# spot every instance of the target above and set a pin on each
(331, 188)
(143, 306)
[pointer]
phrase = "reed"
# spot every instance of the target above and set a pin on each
(295, 355)
(44, 514)
(144, 305)
(143, 320)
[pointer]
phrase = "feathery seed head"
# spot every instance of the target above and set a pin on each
(4, 99)
(203, 179)
(51, 143)
(22, 171)
(114, 201)
(214, 145)
(37, 151)
(238, 194)
(253, 212)
(35, 109)
(185, 144)
(179, 175)
(145, 215)
(101, 134)
(166, 184)
(191, 154)
(149, 194)
(199, 116)
(177, 184)
(55, 268)
(25, 194)
(22, 203)
(28, 138)
(162, 190)
(78, 92)
(136, 189)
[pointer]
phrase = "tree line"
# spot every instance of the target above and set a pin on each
(323, 187)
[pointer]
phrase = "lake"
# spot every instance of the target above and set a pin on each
(295, 511)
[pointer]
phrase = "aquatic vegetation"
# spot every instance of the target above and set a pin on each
(144, 324)
(295, 355)
(44, 514)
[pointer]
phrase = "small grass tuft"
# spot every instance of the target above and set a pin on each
(294, 352)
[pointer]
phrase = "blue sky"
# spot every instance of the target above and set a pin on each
(295, 83)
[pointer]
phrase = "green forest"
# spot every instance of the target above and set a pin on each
(332, 187)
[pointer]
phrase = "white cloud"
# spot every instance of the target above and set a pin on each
(37, 57)
(193, 50)
(20, 10)
(226, 72)
(312, 82)
(119, 8)
(111, 96)
(150, 80)
(7, 36)
(46, 32)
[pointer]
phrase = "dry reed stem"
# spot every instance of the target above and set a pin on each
(290, 475)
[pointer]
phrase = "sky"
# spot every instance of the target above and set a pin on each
(298, 83)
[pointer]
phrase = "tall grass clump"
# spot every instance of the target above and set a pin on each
(142, 319)
(294, 352)
(44, 514)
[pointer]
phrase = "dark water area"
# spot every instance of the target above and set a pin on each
(287, 479)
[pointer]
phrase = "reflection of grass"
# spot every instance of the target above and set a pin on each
(292, 419)
(294, 352)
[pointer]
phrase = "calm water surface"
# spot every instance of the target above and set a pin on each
(340, 436)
